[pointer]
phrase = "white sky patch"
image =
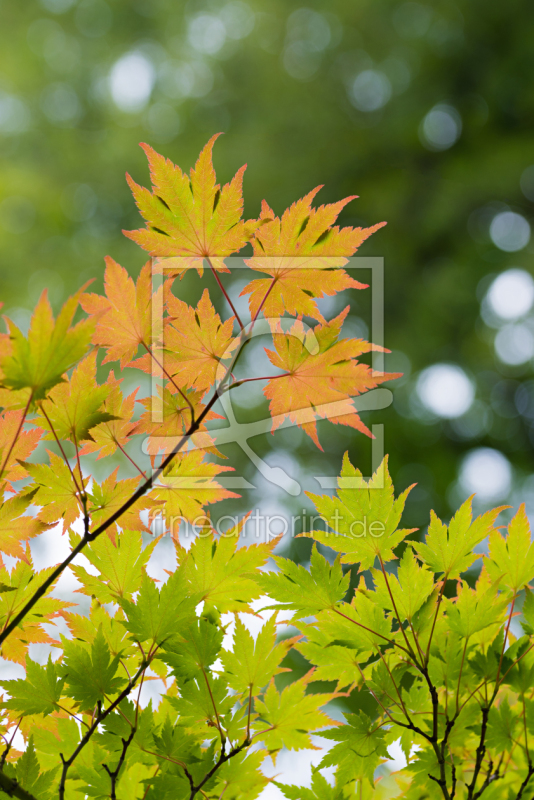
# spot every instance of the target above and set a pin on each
(445, 390)
(131, 81)
(486, 472)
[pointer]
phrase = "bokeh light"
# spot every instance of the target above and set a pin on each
(131, 81)
(445, 390)
(509, 231)
(487, 473)
(511, 294)
(441, 128)
(370, 90)
(514, 344)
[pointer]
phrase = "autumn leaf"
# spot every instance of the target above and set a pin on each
(190, 217)
(108, 497)
(302, 254)
(15, 529)
(74, 407)
(56, 491)
(187, 485)
(52, 347)
(16, 588)
(321, 374)
(16, 445)
(196, 341)
(116, 432)
(124, 317)
(168, 417)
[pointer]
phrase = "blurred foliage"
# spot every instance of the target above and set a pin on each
(334, 93)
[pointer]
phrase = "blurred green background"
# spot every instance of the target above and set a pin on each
(422, 109)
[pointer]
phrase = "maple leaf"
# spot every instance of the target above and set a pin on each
(124, 319)
(474, 609)
(196, 342)
(16, 588)
(168, 417)
(56, 490)
(450, 550)
(305, 591)
(15, 529)
(38, 693)
(251, 664)
(16, 445)
(290, 716)
(321, 375)
(221, 571)
(363, 517)
(158, 613)
(109, 496)
(74, 407)
(359, 750)
(186, 486)
(192, 218)
(52, 347)
(511, 559)
(410, 588)
(302, 253)
(116, 432)
(121, 565)
(90, 674)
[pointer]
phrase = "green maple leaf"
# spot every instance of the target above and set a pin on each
(287, 718)
(121, 565)
(359, 750)
(320, 789)
(449, 550)
(202, 702)
(474, 609)
(240, 777)
(74, 406)
(410, 588)
(363, 517)
(251, 664)
(528, 612)
(502, 722)
(305, 591)
(333, 662)
(40, 361)
(223, 573)
(511, 559)
(194, 649)
(158, 613)
(90, 674)
(38, 693)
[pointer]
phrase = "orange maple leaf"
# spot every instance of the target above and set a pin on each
(197, 341)
(168, 417)
(321, 376)
(124, 316)
(186, 486)
(302, 253)
(115, 433)
(190, 217)
(16, 445)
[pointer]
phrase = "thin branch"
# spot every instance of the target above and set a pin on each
(138, 468)
(225, 293)
(410, 651)
(114, 774)
(171, 379)
(66, 460)
(440, 598)
(8, 746)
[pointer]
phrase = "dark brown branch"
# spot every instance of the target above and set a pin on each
(114, 774)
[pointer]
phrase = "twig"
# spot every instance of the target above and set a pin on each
(15, 438)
